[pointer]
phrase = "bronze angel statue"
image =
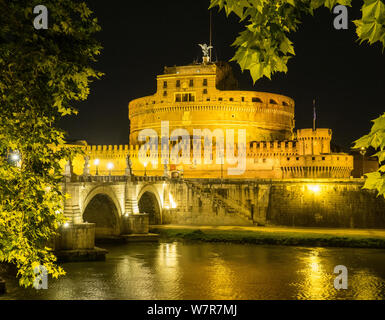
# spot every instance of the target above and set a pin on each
(205, 49)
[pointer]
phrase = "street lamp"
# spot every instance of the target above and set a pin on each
(222, 162)
(96, 163)
(15, 158)
(110, 166)
(363, 151)
(145, 166)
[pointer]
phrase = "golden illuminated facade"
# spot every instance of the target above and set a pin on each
(195, 97)
(188, 98)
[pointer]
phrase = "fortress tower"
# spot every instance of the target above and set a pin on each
(314, 141)
(190, 97)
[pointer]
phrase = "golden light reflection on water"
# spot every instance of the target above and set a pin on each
(221, 280)
(317, 282)
(318, 279)
(140, 285)
(168, 268)
(217, 271)
(366, 285)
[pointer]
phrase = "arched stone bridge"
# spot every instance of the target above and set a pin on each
(111, 201)
(108, 200)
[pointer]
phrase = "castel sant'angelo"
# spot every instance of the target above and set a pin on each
(201, 96)
(268, 173)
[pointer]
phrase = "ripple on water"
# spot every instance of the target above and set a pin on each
(216, 271)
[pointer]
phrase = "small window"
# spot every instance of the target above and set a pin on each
(191, 83)
(208, 99)
(233, 116)
(204, 91)
(243, 99)
(164, 93)
(297, 158)
(231, 99)
(205, 82)
(184, 97)
(313, 158)
(191, 97)
(288, 159)
(164, 84)
(256, 100)
(285, 103)
(273, 101)
(177, 83)
(220, 99)
(323, 158)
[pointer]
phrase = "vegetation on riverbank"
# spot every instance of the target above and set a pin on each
(275, 238)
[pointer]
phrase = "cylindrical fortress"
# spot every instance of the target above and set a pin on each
(188, 98)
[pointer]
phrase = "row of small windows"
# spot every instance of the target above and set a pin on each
(314, 158)
(180, 99)
(280, 144)
(184, 97)
(191, 83)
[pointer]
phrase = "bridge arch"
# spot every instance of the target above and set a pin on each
(149, 201)
(102, 207)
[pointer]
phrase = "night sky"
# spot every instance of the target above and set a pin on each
(141, 37)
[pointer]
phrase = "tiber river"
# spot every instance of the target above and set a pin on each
(216, 271)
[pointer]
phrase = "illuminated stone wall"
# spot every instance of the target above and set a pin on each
(264, 160)
(339, 203)
(290, 202)
(326, 204)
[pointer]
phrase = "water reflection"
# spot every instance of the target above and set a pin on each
(367, 286)
(318, 281)
(365, 274)
(221, 280)
(167, 269)
(216, 271)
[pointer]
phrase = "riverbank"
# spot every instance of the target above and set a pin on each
(312, 237)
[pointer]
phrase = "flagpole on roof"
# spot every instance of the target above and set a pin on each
(211, 33)
(314, 115)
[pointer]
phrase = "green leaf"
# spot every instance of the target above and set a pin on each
(39, 79)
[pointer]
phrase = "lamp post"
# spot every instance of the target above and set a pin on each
(145, 166)
(15, 158)
(96, 163)
(222, 156)
(110, 166)
(363, 151)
